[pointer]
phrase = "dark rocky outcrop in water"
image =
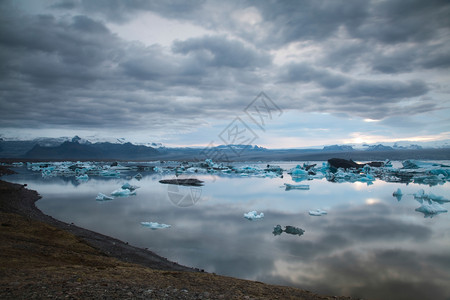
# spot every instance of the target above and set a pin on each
(179, 181)
(336, 163)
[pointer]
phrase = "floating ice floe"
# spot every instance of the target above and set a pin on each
(123, 193)
(420, 195)
(155, 225)
(298, 172)
(317, 212)
(253, 215)
(110, 173)
(129, 186)
(84, 177)
(288, 229)
(103, 197)
(436, 198)
(398, 194)
(430, 209)
(296, 186)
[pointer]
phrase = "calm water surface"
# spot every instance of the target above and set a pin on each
(369, 244)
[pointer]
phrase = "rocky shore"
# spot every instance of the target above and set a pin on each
(43, 258)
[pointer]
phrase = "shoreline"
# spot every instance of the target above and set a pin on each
(25, 206)
(137, 268)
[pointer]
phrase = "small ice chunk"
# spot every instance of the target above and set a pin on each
(431, 209)
(155, 225)
(277, 230)
(130, 187)
(103, 197)
(138, 176)
(398, 194)
(82, 177)
(436, 198)
(298, 172)
(420, 194)
(317, 212)
(123, 193)
(296, 186)
(253, 215)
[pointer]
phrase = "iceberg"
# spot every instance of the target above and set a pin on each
(398, 194)
(103, 197)
(130, 187)
(123, 193)
(298, 172)
(431, 209)
(436, 198)
(110, 173)
(84, 177)
(296, 186)
(138, 176)
(317, 212)
(154, 225)
(420, 194)
(253, 215)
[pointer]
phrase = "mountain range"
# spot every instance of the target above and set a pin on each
(83, 149)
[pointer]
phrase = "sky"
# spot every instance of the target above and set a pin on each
(279, 74)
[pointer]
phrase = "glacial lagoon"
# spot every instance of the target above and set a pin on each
(369, 244)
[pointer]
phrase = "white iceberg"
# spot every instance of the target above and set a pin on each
(317, 212)
(103, 197)
(123, 193)
(431, 209)
(253, 215)
(155, 225)
(296, 186)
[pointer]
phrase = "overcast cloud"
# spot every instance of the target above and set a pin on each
(179, 72)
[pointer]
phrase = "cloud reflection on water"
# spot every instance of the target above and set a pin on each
(384, 250)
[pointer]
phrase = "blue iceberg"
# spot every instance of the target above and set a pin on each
(130, 187)
(398, 194)
(430, 209)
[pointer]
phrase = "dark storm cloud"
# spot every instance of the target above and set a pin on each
(122, 11)
(221, 52)
(387, 274)
(310, 20)
(302, 72)
(67, 54)
(398, 21)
